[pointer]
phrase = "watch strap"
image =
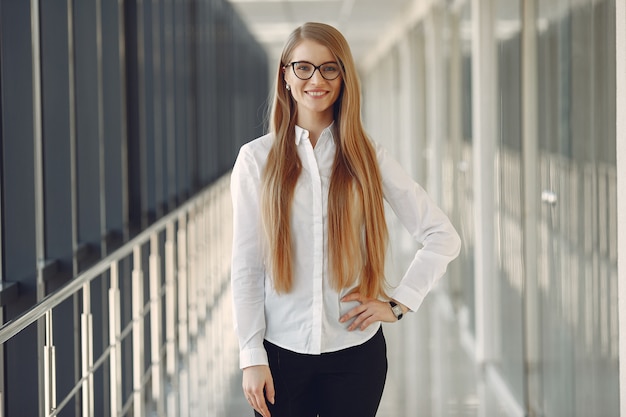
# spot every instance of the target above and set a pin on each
(396, 309)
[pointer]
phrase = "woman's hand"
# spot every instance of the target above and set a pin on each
(257, 384)
(369, 311)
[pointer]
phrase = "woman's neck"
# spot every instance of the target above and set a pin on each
(315, 124)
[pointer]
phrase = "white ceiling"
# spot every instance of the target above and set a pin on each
(362, 22)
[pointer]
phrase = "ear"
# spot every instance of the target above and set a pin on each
(286, 75)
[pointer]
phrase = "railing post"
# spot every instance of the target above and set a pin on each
(86, 344)
(183, 330)
(49, 370)
(201, 278)
(115, 379)
(138, 333)
(222, 212)
(170, 317)
(192, 307)
(2, 367)
(214, 361)
(156, 337)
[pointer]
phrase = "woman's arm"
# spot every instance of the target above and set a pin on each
(426, 223)
(247, 268)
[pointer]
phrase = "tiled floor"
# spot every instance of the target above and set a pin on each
(430, 373)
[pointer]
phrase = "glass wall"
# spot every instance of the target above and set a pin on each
(549, 330)
(112, 114)
(577, 277)
(509, 282)
(464, 187)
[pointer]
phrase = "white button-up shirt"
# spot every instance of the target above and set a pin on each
(306, 320)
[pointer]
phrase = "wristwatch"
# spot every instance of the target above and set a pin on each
(397, 310)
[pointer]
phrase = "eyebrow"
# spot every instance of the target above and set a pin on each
(309, 62)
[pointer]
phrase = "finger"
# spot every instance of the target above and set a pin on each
(353, 296)
(360, 319)
(366, 323)
(262, 408)
(269, 391)
(255, 405)
(255, 400)
(251, 402)
(352, 313)
(258, 400)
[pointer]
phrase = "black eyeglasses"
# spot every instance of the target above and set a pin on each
(305, 70)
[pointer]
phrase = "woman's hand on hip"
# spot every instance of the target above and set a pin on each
(369, 311)
(258, 384)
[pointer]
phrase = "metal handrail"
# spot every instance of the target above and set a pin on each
(190, 326)
(29, 317)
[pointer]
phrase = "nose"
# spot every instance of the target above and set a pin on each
(317, 75)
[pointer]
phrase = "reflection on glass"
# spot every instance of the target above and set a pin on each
(577, 274)
(509, 221)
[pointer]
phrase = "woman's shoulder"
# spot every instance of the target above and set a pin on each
(387, 163)
(379, 150)
(260, 146)
(253, 155)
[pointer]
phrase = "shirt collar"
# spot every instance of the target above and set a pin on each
(302, 133)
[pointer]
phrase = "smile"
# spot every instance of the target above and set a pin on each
(316, 93)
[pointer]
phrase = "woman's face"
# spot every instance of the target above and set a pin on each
(314, 97)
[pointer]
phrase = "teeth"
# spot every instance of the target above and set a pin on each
(316, 93)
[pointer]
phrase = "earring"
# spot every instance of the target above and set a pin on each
(288, 87)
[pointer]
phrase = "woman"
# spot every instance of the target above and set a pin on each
(310, 240)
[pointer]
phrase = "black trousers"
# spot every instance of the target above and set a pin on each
(347, 383)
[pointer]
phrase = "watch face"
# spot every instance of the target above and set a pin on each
(397, 310)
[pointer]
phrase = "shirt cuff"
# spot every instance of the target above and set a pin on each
(409, 297)
(253, 357)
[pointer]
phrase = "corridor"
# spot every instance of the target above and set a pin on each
(120, 121)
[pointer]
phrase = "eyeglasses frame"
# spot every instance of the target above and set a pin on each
(315, 68)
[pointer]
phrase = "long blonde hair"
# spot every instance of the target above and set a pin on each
(357, 231)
